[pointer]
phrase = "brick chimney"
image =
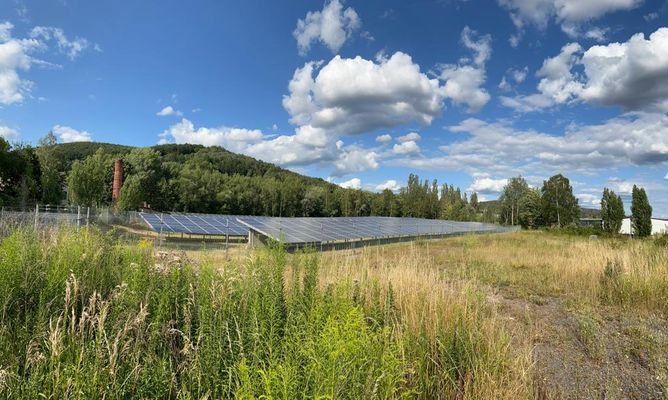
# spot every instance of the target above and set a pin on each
(118, 181)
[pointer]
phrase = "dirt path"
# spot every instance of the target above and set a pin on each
(578, 355)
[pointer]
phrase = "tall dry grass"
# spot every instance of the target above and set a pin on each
(621, 272)
(83, 316)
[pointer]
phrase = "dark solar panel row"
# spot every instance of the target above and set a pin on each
(309, 229)
(201, 224)
(314, 230)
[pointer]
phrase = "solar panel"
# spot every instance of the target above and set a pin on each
(201, 224)
(318, 230)
(309, 229)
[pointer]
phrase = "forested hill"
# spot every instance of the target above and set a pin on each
(194, 178)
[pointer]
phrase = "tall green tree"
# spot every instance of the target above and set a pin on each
(612, 211)
(473, 202)
(516, 188)
(641, 212)
(530, 209)
(559, 205)
(50, 166)
(131, 194)
(145, 166)
(87, 182)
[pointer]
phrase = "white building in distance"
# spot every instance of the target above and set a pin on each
(659, 225)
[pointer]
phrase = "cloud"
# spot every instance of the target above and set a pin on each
(354, 183)
(71, 48)
(355, 95)
(355, 160)
(68, 135)
(632, 75)
(408, 147)
(482, 183)
(517, 75)
(589, 200)
(666, 177)
(384, 138)
(390, 185)
(8, 133)
(651, 16)
(412, 136)
(16, 55)
(504, 85)
(463, 81)
(308, 146)
(169, 111)
(498, 148)
(6, 31)
(332, 26)
(620, 185)
(570, 14)
(234, 139)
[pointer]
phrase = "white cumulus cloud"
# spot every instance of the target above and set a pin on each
(67, 134)
(234, 139)
(355, 160)
(483, 183)
(8, 133)
(384, 138)
(635, 139)
(632, 75)
(169, 111)
(464, 81)
(408, 147)
(391, 184)
(355, 95)
(354, 183)
(307, 146)
(570, 14)
(412, 136)
(332, 26)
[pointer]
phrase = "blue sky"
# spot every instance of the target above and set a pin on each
(359, 92)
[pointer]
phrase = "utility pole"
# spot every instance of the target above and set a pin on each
(558, 215)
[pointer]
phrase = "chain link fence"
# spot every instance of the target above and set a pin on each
(45, 216)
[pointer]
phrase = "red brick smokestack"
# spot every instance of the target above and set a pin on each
(118, 181)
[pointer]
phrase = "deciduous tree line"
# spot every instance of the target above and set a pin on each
(194, 178)
(555, 205)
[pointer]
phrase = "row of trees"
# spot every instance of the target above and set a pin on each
(194, 178)
(206, 179)
(552, 205)
(555, 205)
(612, 212)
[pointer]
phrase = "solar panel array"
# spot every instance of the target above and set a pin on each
(310, 229)
(200, 224)
(318, 230)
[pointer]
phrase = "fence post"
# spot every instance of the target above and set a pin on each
(78, 218)
(162, 221)
(36, 215)
(227, 237)
(87, 215)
